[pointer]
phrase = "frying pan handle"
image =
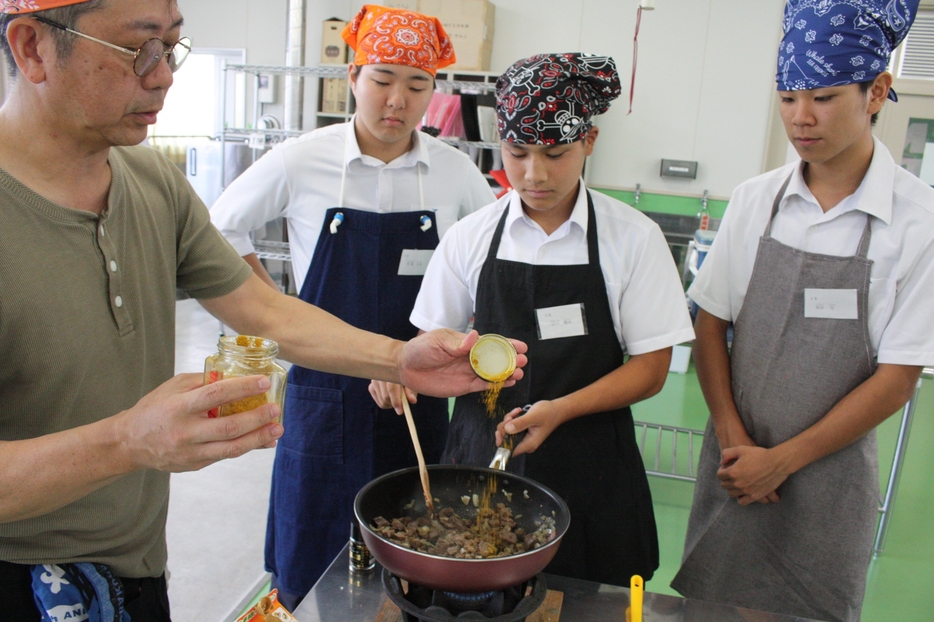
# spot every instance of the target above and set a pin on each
(502, 455)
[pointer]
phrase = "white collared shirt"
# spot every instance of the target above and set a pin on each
(901, 290)
(300, 179)
(645, 295)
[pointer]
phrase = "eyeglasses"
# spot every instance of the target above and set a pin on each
(146, 58)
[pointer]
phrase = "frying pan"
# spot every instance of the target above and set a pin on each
(388, 495)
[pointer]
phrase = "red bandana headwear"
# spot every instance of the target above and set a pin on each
(397, 37)
(31, 6)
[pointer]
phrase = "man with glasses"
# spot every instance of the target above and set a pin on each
(97, 235)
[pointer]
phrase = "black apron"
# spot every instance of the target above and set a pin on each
(336, 439)
(592, 462)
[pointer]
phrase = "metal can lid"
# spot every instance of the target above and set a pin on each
(493, 357)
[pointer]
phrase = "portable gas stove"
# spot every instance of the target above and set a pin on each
(344, 595)
(421, 604)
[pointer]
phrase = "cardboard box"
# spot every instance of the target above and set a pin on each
(470, 25)
(334, 95)
(333, 48)
(408, 5)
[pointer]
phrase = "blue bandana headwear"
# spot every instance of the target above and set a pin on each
(837, 42)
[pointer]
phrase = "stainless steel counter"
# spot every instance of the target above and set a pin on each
(342, 595)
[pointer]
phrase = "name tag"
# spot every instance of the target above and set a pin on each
(837, 304)
(563, 321)
(414, 262)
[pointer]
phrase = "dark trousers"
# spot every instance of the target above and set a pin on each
(287, 599)
(146, 600)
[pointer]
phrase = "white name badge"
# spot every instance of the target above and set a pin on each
(563, 321)
(414, 262)
(837, 304)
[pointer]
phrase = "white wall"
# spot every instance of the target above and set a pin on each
(704, 82)
(255, 25)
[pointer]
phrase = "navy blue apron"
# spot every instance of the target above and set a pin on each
(592, 462)
(336, 439)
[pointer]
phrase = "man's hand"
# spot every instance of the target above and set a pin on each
(539, 422)
(169, 429)
(750, 474)
(389, 395)
(437, 363)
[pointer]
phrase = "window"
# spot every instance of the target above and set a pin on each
(193, 106)
(917, 58)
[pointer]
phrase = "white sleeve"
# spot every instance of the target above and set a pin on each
(653, 310)
(908, 338)
(259, 195)
(711, 288)
(444, 299)
(477, 192)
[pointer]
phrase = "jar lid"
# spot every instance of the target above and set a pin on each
(493, 358)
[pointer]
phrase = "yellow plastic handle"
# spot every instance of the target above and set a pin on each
(635, 598)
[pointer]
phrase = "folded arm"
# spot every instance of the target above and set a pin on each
(712, 363)
(753, 472)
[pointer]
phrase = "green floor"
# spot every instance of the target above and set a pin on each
(899, 579)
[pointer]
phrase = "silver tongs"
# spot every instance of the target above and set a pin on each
(504, 451)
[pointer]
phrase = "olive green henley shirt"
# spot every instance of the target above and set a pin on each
(87, 328)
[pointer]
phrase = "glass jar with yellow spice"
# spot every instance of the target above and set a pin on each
(244, 355)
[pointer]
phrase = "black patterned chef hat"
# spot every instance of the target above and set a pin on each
(550, 98)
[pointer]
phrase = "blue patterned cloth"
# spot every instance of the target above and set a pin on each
(837, 42)
(77, 593)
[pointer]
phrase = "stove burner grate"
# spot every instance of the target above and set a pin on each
(421, 604)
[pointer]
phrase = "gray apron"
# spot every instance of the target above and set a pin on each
(808, 554)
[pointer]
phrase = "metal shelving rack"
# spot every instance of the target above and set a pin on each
(333, 71)
(243, 134)
(666, 464)
(901, 444)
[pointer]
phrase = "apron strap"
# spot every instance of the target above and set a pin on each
(340, 196)
(775, 204)
(421, 190)
(863, 248)
(498, 235)
(593, 247)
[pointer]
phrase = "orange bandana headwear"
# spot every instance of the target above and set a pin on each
(397, 37)
(31, 6)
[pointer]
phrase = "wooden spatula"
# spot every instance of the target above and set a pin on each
(422, 469)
